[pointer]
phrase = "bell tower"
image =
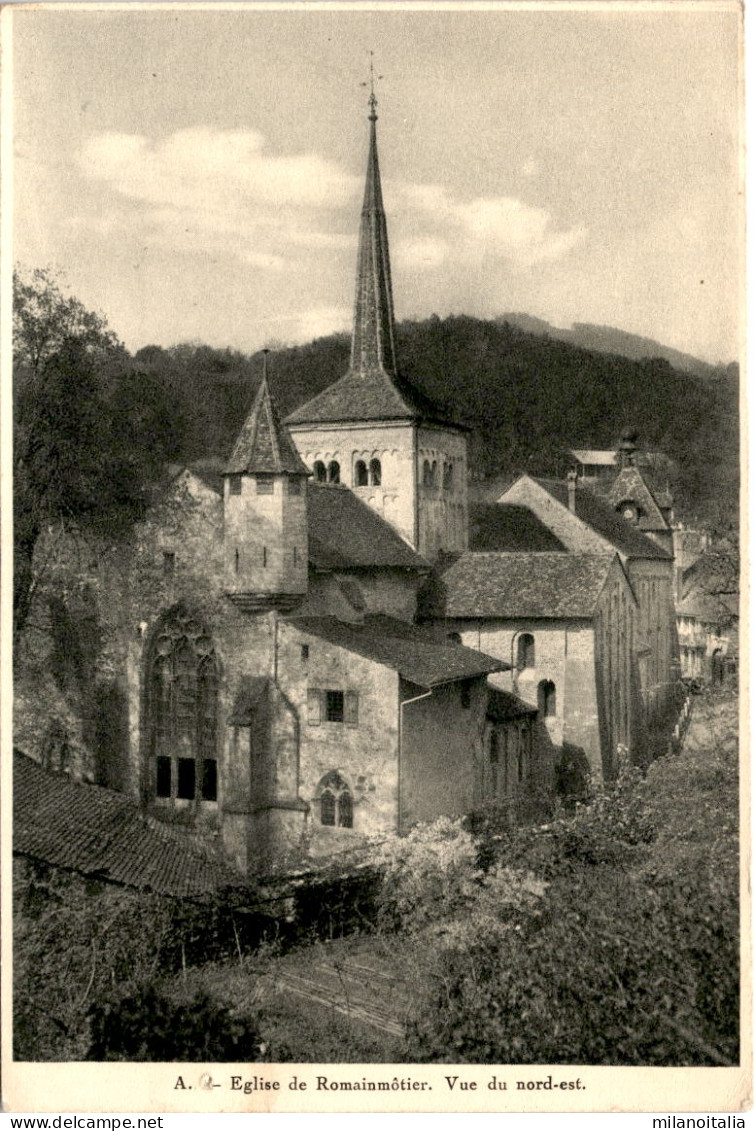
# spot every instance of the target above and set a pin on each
(265, 512)
(371, 430)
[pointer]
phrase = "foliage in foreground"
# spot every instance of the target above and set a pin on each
(608, 937)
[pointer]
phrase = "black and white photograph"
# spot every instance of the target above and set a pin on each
(371, 462)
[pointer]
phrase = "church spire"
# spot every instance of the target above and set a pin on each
(372, 344)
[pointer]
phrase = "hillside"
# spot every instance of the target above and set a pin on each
(608, 339)
(527, 398)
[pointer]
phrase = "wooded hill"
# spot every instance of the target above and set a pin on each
(527, 397)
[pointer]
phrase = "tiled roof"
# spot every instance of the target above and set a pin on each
(101, 833)
(418, 654)
(601, 516)
(346, 533)
(530, 586)
(502, 706)
(370, 395)
(631, 484)
(507, 526)
(264, 446)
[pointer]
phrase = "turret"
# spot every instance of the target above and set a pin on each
(265, 512)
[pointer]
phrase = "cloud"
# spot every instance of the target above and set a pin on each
(221, 191)
(499, 226)
(306, 325)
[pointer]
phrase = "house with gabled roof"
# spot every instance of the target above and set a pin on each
(566, 624)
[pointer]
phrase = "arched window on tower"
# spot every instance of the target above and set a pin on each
(319, 470)
(360, 473)
(336, 805)
(525, 651)
(434, 474)
(375, 473)
(182, 693)
(546, 699)
(448, 476)
(427, 474)
(334, 472)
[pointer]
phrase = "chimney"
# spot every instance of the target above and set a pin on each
(571, 487)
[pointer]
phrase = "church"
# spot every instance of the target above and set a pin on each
(310, 652)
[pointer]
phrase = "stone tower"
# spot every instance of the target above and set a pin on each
(265, 512)
(372, 431)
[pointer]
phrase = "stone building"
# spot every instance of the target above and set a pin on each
(566, 625)
(270, 687)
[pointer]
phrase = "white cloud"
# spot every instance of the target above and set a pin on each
(221, 192)
(502, 226)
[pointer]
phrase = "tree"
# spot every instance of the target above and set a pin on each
(84, 448)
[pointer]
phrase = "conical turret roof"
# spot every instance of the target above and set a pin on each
(264, 445)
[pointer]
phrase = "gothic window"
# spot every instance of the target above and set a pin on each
(525, 652)
(336, 805)
(546, 699)
(319, 470)
(334, 472)
(375, 472)
(360, 473)
(182, 694)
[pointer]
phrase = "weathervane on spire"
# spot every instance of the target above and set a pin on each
(372, 99)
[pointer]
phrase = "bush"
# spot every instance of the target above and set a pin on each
(149, 1024)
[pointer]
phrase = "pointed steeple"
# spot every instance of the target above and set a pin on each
(372, 344)
(264, 446)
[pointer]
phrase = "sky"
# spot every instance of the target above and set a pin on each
(197, 174)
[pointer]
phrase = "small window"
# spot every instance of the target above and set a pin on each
(466, 695)
(427, 474)
(304, 652)
(360, 473)
(169, 563)
(319, 470)
(265, 484)
(162, 788)
(448, 476)
(234, 482)
(525, 652)
(375, 472)
(186, 778)
(209, 780)
(546, 699)
(264, 557)
(336, 805)
(236, 560)
(454, 637)
(334, 706)
(294, 485)
(334, 472)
